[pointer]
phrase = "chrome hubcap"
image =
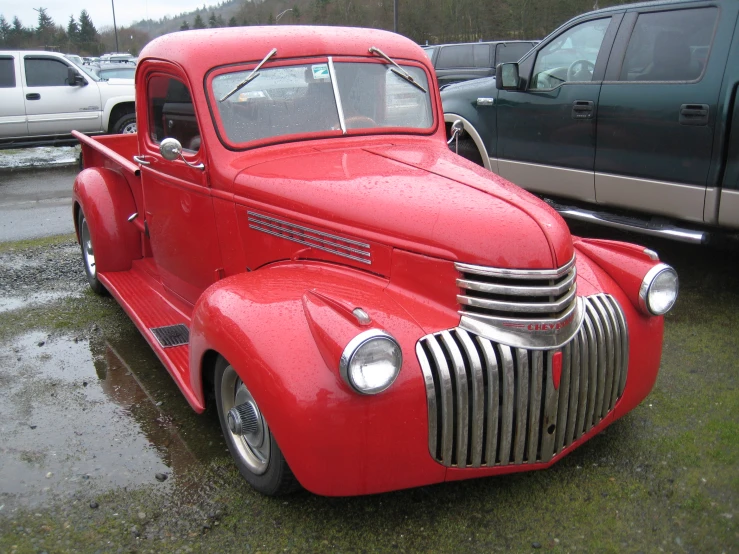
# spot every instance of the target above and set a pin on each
(87, 252)
(129, 129)
(249, 432)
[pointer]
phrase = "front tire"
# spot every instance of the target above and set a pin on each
(255, 451)
(88, 256)
(126, 125)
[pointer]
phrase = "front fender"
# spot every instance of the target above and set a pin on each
(111, 104)
(269, 324)
(106, 200)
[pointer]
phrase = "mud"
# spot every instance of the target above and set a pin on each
(89, 418)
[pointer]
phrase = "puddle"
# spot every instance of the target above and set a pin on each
(76, 420)
(9, 303)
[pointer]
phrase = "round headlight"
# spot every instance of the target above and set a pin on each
(658, 291)
(371, 362)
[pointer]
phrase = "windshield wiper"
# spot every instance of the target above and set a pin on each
(399, 71)
(253, 75)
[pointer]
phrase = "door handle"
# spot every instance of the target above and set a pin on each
(582, 109)
(33, 96)
(693, 114)
(141, 160)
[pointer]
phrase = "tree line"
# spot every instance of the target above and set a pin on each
(424, 21)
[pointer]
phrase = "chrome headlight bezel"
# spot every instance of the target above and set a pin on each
(355, 346)
(646, 289)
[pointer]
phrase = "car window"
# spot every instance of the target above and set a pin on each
(7, 73)
(117, 73)
(669, 46)
(171, 112)
(45, 72)
(429, 52)
(511, 52)
(456, 56)
(571, 56)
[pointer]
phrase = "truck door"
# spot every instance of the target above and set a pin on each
(546, 133)
(177, 200)
(12, 109)
(657, 111)
(53, 106)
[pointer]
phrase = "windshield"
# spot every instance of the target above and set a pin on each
(299, 99)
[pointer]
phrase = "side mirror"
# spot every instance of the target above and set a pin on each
(171, 150)
(73, 78)
(457, 129)
(506, 76)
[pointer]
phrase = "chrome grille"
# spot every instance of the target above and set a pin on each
(491, 404)
(496, 293)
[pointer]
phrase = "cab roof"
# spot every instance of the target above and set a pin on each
(200, 50)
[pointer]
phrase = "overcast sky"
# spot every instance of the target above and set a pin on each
(126, 11)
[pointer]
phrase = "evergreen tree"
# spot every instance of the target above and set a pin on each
(73, 30)
(88, 33)
(220, 22)
(185, 26)
(198, 23)
(296, 13)
(46, 28)
(232, 22)
(17, 34)
(271, 20)
(5, 30)
(212, 21)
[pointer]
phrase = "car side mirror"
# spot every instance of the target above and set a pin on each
(73, 78)
(171, 150)
(506, 76)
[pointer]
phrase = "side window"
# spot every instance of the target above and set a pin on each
(45, 72)
(429, 52)
(455, 56)
(511, 52)
(669, 46)
(481, 54)
(171, 113)
(7, 73)
(571, 56)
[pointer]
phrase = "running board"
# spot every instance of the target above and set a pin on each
(627, 223)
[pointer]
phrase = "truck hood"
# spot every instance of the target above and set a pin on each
(421, 198)
(484, 84)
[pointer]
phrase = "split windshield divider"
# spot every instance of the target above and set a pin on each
(337, 96)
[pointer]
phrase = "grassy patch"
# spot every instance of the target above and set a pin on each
(35, 244)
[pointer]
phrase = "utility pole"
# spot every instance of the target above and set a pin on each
(115, 29)
(395, 15)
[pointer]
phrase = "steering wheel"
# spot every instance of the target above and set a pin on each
(359, 122)
(573, 71)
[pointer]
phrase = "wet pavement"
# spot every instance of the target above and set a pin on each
(36, 203)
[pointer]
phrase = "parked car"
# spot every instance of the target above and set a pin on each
(369, 311)
(455, 63)
(626, 116)
(44, 96)
(116, 71)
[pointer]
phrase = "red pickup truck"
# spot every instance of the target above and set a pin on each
(368, 311)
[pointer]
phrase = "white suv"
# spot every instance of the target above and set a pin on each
(44, 96)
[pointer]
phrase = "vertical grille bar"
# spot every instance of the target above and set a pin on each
(477, 403)
(583, 385)
(493, 400)
(574, 394)
(508, 396)
(447, 401)
(461, 399)
(491, 404)
(537, 386)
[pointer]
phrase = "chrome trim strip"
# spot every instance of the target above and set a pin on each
(477, 404)
(522, 404)
(582, 387)
(428, 379)
(492, 400)
(515, 332)
(308, 229)
(521, 307)
(551, 407)
(447, 402)
(264, 224)
(517, 291)
(535, 394)
(337, 96)
(550, 179)
(515, 273)
(506, 425)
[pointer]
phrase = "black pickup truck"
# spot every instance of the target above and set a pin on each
(625, 116)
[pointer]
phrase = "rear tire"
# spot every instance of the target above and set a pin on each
(256, 454)
(88, 256)
(126, 125)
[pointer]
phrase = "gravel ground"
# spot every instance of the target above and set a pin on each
(42, 156)
(100, 452)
